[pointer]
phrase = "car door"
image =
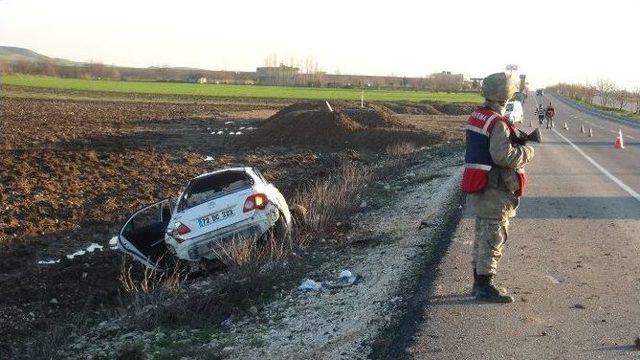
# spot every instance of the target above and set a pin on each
(142, 235)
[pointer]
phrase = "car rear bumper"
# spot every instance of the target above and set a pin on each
(209, 245)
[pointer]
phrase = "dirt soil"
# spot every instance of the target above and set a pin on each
(73, 167)
(342, 125)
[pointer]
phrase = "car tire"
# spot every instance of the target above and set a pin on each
(280, 231)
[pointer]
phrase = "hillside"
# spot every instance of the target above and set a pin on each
(13, 54)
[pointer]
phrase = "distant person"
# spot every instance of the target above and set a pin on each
(549, 113)
(494, 179)
(540, 113)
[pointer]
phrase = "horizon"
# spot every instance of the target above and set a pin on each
(356, 39)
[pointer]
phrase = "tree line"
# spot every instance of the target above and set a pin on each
(604, 93)
(91, 70)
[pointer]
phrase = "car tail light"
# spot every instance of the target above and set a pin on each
(255, 201)
(182, 229)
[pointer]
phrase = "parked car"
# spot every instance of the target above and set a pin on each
(514, 111)
(213, 208)
(539, 92)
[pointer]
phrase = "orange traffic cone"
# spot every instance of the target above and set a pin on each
(619, 143)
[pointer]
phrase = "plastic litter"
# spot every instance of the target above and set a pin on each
(346, 278)
(48, 262)
(94, 246)
(77, 253)
(310, 285)
(208, 158)
(113, 243)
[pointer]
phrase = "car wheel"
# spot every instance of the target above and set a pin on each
(280, 231)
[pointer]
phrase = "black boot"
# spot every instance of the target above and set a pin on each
(487, 292)
(474, 289)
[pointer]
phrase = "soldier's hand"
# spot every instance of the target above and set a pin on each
(529, 152)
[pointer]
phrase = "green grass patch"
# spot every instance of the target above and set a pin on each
(623, 113)
(235, 91)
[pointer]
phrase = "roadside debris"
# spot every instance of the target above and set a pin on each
(579, 306)
(309, 284)
(48, 262)
(91, 248)
(113, 243)
(208, 158)
(637, 343)
(345, 279)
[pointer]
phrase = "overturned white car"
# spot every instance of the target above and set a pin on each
(235, 203)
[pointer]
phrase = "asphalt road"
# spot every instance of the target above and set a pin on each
(572, 259)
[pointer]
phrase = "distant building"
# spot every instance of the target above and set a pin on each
(202, 80)
(446, 81)
(277, 75)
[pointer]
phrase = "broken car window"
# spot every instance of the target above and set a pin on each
(206, 188)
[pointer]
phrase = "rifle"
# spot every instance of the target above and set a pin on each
(522, 137)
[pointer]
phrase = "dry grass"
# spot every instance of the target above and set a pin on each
(150, 279)
(402, 148)
(244, 251)
(331, 198)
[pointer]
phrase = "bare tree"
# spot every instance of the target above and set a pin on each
(589, 92)
(271, 60)
(635, 94)
(605, 88)
(620, 96)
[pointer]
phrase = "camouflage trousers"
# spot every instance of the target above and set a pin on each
(491, 235)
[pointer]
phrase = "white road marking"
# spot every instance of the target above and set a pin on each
(622, 185)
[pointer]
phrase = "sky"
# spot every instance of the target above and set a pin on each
(551, 41)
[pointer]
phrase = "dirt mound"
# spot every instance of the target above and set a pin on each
(373, 116)
(374, 127)
(299, 106)
(413, 109)
(454, 109)
(304, 127)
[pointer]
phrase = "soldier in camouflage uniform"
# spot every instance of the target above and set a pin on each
(495, 184)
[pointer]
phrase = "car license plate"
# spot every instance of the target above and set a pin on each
(215, 217)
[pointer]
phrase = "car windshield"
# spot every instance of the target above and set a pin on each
(510, 107)
(203, 189)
